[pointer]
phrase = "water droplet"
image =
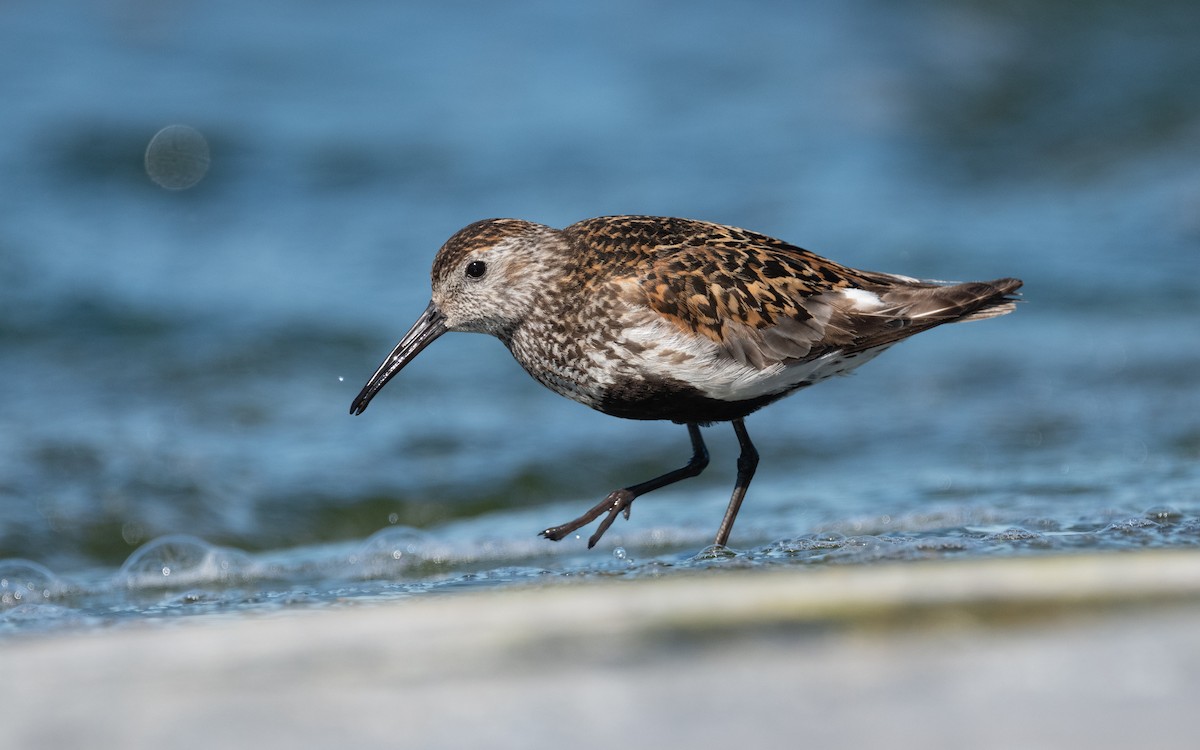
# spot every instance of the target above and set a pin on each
(177, 157)
(619, 553)
(341, 379)
(132, 532)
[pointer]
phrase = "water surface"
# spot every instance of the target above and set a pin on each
(179, 364)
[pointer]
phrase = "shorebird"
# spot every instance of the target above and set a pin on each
(648, 317)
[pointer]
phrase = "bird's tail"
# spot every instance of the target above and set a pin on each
(934, 303)
(989, 298)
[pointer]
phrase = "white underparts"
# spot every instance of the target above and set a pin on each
(662, 350)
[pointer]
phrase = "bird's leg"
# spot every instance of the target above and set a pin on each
(746, 464)
(618, 501)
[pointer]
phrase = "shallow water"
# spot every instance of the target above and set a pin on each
(179, 363)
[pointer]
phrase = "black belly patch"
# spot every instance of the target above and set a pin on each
(659, 398)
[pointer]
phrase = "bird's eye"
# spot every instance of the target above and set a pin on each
(476, 269)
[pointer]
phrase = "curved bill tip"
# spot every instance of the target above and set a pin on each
(428, 327)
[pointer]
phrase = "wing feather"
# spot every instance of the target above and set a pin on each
(766, 302)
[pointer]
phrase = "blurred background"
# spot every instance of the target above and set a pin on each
(181, 361)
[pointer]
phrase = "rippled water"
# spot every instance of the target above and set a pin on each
(183, 575)
(179, 363)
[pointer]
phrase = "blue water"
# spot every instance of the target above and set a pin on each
(178, 365)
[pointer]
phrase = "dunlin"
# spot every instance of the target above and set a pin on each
(648, 317)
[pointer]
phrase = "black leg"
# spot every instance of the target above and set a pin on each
(746, 464)
(618, 501)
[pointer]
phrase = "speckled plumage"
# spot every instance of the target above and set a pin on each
(662, 318)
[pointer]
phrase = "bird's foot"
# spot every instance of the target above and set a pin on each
(617, 503)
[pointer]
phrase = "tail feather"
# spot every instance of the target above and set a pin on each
(973, 300)
(999, 297)
(908, 306)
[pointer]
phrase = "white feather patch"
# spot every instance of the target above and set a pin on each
(862, 300)
(706, 366)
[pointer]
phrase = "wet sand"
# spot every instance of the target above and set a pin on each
(1074, 651)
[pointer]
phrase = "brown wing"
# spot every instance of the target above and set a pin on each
(766, 301)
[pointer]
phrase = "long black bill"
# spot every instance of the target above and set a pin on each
(428, 327)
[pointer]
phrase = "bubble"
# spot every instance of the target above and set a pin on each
(177, 157)
(828, 540)
(619, 553)
(391, 544)
(24, 581)
(180, 559)
(1013, 534)
(1164, 514)
(713, 552)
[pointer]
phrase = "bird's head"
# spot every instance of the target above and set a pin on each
(486, 279)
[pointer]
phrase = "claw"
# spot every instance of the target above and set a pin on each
(617, 502)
